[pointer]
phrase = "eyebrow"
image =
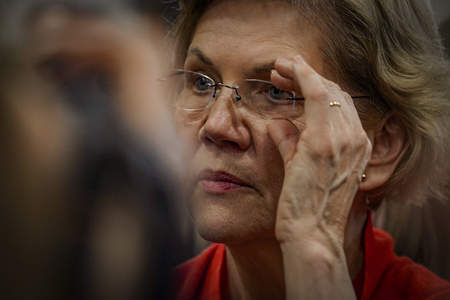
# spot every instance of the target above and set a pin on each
(197, 52)
(265, 68)
(257, 70)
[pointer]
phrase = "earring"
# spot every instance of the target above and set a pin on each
(363, 177)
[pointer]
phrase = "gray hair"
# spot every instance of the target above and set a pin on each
(392, 50)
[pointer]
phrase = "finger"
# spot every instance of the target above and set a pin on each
(318, 114)
(349, 112)
(284, 68)
(285, 136)
(312, 86)
(281, 82)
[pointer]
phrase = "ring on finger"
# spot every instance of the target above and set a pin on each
(335, 104)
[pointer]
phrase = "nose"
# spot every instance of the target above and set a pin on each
(224, 126)
(235, 89)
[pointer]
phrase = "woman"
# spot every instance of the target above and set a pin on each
(302, 116)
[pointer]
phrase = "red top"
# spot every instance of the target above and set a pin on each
(384, 275)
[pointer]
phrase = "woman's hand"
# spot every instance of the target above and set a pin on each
(324, 161)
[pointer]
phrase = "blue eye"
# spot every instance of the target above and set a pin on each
(277, 95)
(202, 84)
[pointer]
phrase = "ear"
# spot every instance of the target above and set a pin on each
(389, 144)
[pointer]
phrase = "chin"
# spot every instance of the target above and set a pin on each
(232, 219)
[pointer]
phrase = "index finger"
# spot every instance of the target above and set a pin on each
(312, 86)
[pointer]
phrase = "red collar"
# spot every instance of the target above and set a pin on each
(384, 275)
(378, 250)
(378, 255)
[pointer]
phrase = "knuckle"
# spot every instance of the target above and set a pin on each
(324, 148)
(362, 141)
(369, 146)
(303, 71)
(351, 139)
(333, 85)
(319, 93)
(347, 97)
(347, 142)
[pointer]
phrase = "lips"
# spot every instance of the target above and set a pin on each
(219, 182)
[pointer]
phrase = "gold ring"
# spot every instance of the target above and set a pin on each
(335, 103)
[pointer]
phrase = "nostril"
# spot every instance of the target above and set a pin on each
(232, 144)
(208, 139)
(223, 144)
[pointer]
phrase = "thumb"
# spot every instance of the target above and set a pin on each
(285, 136)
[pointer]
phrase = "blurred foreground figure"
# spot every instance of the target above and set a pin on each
(89, 176)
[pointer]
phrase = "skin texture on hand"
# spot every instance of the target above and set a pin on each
(324, 162)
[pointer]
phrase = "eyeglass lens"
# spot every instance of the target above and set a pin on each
(196, 92)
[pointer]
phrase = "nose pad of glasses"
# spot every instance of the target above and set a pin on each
(237, 97)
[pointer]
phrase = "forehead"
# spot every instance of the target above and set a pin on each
(255, 32)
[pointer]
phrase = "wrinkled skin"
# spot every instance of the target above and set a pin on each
(300, 211)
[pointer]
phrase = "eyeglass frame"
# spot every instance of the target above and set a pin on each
(237, 97)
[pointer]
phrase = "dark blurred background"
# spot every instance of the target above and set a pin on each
(442, 13)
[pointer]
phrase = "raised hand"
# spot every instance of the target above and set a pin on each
(324, 160)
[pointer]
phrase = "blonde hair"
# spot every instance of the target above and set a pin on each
(392, 50)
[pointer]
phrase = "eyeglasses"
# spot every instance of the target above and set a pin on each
(196, 92)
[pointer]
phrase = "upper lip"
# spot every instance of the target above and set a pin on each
(221, 176)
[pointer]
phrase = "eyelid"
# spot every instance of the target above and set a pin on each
(267, 82)
(206, 75)
(198, 66)
(197, 73)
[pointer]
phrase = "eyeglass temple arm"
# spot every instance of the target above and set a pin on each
(301, 98)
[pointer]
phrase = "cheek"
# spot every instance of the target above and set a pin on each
(273, 171)
(270, 164)
(187, 133)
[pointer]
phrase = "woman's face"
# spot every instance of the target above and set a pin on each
(236, 170)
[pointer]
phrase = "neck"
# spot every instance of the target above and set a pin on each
(354, 234)
(255, 269)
